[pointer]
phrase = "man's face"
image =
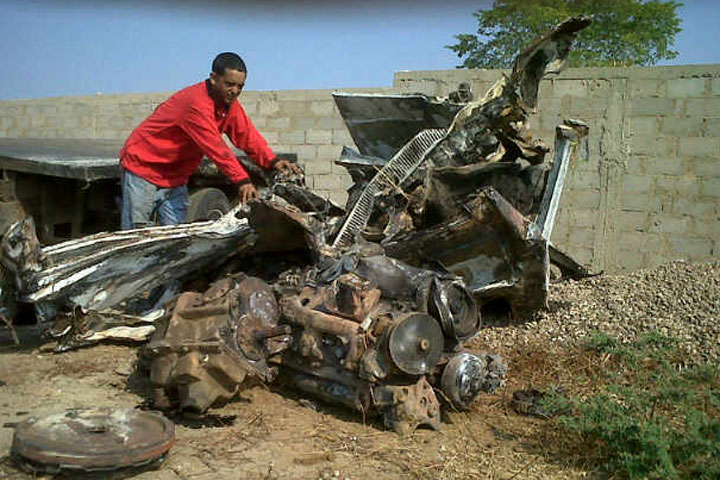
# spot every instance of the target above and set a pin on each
(227, 87)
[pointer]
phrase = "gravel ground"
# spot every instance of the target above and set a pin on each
(677, 299)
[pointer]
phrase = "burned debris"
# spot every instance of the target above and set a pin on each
(376, 303)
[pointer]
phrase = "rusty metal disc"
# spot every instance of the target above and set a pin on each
(94, 439)
(416, 343)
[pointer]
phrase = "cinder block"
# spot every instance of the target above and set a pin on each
(295, 108)
(651, 106)
(323, 108)
(342, 137)
(303, 123)
(581, 236)
(640, 241)
(293, 137)
(330, 122)
(329, 152)
(631, 221)
(686, 88)
(652, 145)
(641, 202)
(332, 182)
(319, 137)
(711, 127)
(601, 87)
(305, 153)
(318, 167)
(268, 107)
(677, 185)
(646, 88)
(665, 166)
(583, 218)
(700, 209)
(644, 125)
(633, 184)
(630, 260)
(584, 199)
(585, 180)
(692, 247)
(705, 107)
(715, 86)
(588, 107)
(682, 127)
(636, 164)
(572, 88)
(706, 167)
(279, 123)
(664, 223)
(709, 230)
(699, 147)
(710, 187)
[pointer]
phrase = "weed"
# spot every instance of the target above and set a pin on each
(650, 418)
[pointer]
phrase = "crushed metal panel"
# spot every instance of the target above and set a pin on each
(496, 250)
(380, 124)
(100, 271)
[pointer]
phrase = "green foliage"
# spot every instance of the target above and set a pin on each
(624, 32)
(652, 419)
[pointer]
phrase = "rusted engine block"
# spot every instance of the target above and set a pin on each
(383, 338)
(214, 342)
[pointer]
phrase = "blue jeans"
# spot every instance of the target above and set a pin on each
(145, 204)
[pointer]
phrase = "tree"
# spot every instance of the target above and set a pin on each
(624, 32)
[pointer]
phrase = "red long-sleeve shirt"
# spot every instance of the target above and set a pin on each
(167, 147)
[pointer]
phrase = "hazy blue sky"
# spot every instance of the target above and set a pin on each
(53, 47)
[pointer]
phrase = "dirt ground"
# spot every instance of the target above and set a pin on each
(270, 433)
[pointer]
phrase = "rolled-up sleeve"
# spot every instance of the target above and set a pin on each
(201, 128)
(245, 136)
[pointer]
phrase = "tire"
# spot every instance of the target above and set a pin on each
(207, 204)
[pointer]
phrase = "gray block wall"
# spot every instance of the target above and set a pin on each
(647, 192)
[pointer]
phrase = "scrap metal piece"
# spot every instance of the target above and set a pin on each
(92, 440)
(100, 271)
(497, 251)
(393, 174)
(405, 407)
(380, 124)
(415, 343)
(213, 342)
(567, 136)
(462, 379)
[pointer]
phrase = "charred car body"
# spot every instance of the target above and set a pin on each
(452, 208)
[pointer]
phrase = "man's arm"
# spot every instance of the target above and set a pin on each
(244, 135)
(201, 128)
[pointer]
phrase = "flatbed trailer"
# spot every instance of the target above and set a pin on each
(71, 187)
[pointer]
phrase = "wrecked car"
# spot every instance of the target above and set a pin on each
(372, 305)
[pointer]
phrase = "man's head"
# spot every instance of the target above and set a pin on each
(227, 78)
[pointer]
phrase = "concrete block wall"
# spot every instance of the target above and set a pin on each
(305, 122)
(646, 192)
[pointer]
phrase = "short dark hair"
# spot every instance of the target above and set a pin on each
(226, 60)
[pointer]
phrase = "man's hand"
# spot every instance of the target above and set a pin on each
(288, 168)
(247, 192)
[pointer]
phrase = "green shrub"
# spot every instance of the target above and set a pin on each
(650, 418)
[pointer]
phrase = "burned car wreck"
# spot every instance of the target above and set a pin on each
(372, 306)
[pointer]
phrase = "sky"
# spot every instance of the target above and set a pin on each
(82, 47)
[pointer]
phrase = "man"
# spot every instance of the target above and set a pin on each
(166, 148)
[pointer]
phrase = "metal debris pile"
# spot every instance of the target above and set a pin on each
(370, 305)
